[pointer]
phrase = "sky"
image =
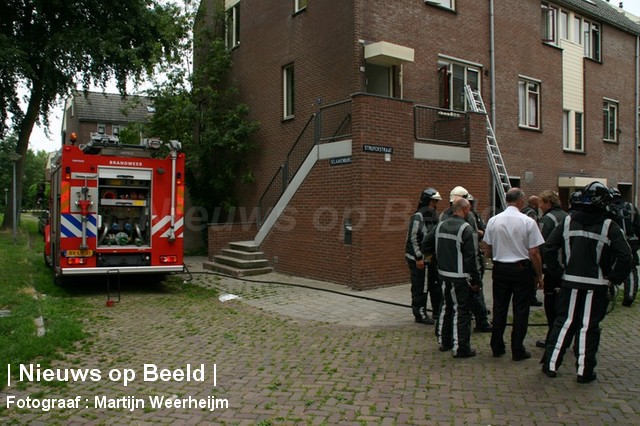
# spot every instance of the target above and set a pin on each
(39, 141)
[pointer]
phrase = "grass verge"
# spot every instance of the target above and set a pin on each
(27, 293)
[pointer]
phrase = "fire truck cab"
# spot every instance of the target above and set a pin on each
(115, 209)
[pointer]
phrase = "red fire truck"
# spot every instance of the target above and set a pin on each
(115, 209)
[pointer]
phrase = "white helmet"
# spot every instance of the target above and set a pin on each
(458, 191)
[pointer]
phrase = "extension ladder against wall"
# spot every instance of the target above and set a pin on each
(496, 162)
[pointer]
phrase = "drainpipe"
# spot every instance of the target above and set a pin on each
(492, 73)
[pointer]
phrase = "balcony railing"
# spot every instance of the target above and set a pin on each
(440, 125)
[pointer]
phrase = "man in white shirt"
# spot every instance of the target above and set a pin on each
(513, 241)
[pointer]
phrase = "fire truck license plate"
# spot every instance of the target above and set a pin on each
(79, 253)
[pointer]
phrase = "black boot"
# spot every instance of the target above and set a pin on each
(417, 315)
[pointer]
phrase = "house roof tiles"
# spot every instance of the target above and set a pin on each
(604, 12)
(111, 108)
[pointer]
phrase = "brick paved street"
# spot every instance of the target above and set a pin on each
(292, 355)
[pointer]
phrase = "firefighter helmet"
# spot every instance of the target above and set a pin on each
(428, 195)
(615, 192)
(575, 199)
(596, 194)
(458, 191)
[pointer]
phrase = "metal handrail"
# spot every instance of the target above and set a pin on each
(289, 173)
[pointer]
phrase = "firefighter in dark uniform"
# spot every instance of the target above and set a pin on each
(552, 216)
(478, 304)
(422, 221)
(627, 217)
(595, 255)
(454, 248)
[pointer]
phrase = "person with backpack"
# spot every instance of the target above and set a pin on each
(588, 252)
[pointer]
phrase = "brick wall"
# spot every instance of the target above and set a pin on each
(377, 196)
(326, 43)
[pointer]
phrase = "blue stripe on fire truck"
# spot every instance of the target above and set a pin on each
(71, 225)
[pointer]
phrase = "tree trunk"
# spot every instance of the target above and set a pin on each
(26, 127)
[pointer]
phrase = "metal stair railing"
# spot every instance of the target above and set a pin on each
(496, 162)
(337, 117)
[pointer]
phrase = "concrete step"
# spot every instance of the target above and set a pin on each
(241, 263)
(244, 255)
(235, 272)
(247, 246)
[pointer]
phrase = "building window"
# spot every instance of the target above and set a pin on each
(579, 134)
(564, 25)
(557, 24)
(102, 128)
(591, 39)
(449, 4)
(577, 29)
(548, 24)
(298, 5)
(289, 91)
(610, 121)
(379, 79)
(452, 77)
(116, 128)
(572, 131)
(233, 25)
(529, 104)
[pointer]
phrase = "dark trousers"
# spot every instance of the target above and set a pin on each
(418, 296)
(511, 281)
(579, 316)
(454, 323)
(434, 288)
(551, 288)
(479, 309)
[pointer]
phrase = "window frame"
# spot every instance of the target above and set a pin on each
(578, 132)
(563, 25)
(447, 86)
(592, 49)
(299, 5)
(288, 91)
(573, 131)
(103, 126)
(577, 29)
(232, 26)
(610, 109)
(525, 97)
(447, 4)
(549, 17)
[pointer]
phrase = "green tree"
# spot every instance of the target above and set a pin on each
(33, 181)
(32, 177)
(214, 128)
(49, 47)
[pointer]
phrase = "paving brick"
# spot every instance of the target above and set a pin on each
(281, 364)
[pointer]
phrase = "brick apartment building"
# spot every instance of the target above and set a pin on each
(361, 106)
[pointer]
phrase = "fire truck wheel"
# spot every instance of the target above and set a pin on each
(58, 280)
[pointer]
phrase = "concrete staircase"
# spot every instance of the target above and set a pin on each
(242, 258)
